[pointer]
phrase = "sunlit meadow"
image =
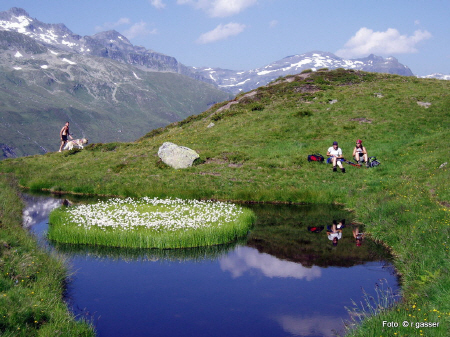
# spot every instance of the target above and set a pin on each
(257, 151)
(150, 223)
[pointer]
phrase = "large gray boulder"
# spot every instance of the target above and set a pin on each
(177, 156)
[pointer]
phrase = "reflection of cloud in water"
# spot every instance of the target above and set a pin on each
(38, 209)
(243, 259)
(310, 325)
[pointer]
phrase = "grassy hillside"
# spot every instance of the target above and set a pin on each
(257, 150)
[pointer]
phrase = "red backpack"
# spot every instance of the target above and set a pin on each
(315, 157)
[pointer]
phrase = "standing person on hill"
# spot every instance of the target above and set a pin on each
(63, 134)
(360, 153)
(335, 155)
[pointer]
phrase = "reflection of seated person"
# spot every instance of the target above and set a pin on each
(358, 236)
(334, 234)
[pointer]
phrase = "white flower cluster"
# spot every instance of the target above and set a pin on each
(168, 214)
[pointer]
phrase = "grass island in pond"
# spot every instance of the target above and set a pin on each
(150, 223)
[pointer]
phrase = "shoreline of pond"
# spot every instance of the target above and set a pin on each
(286, 216)
(237, 201)
(33, 280)
(402, 309)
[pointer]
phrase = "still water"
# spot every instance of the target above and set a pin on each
(282, 280)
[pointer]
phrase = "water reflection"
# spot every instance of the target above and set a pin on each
(246, 259)
(318, 325)
(357, 235)
(38, 209)
(279, 281)
(334, 232)
(136, 254)
(305, 235)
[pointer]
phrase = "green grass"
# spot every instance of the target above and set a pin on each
(261, 155)
(150, 223)
(31, 280)
(380, 315)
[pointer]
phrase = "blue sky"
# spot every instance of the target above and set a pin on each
(246, 34)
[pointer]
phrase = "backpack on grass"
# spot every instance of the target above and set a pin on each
(373, 162)
(315, 157)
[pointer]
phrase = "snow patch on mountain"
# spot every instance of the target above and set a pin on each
(19, 24)
(438, 76)
(68, 61)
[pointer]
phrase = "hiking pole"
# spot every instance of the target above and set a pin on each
(351, 163)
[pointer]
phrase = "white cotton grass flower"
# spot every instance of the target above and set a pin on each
(146, 220)
(172, 214)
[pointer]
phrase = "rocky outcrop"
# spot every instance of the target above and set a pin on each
(7, 151)
(426, 105)
(177, 156)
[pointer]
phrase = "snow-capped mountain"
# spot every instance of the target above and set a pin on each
(113, 45)
(18, 20)
(438, 76)
(237, 81)
(109, 44)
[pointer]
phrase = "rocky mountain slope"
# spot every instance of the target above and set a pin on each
(109, 44)
(113, 45)
(237, 81)
(49, 75)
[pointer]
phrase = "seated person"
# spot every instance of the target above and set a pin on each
(360, 153)
(335, 157)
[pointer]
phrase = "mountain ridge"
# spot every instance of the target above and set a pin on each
(438, 76)
(108, 44)
(112, 44)
(241, 81)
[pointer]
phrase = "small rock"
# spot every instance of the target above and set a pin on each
(443, 165)
(333, 101)
(426, 105)
(210, 125)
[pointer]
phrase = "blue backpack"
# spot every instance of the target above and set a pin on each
(373, 162)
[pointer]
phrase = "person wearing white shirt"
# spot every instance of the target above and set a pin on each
(335, 154)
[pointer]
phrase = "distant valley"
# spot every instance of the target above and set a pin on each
(49, 75)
